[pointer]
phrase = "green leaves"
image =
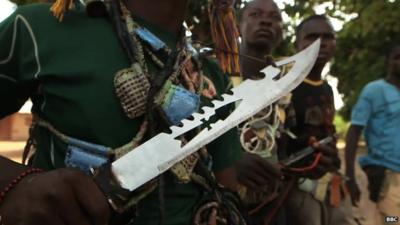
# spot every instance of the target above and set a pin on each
(363, 44)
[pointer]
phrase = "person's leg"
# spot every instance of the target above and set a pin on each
(389, 205)
(343, 215)
(367, 211)
(303, 209)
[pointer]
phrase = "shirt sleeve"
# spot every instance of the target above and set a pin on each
(12, 94)
(363, 108)
(226, 149)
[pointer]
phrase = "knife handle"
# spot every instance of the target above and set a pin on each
(117, 196)
(296, 157)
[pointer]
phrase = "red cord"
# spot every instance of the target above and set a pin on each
(14, 182)
(266, 200)
(308, 168)
(281, 200)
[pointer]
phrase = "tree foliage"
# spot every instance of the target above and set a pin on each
(363, 42)
(363, 45)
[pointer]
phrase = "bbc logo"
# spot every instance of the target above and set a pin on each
(391, 219)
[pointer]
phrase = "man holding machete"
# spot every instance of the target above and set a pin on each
(131, 55)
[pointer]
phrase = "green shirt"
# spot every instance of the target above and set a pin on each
(67, 69)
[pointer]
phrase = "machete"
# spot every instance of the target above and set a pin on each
(161, 152)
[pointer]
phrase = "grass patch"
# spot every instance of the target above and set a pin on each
(341, 126)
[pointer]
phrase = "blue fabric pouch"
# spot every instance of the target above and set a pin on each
(150, 38)
(84, 155)
(179, 104)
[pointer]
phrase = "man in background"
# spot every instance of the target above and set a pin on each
(264, 136)
(377, 112)
(317, 202)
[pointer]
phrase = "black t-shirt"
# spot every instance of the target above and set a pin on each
(315, 111)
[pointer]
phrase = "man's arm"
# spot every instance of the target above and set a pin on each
(360, 116)
(352, 138)
(255, 172)
(9, 171)
(227, 177)
(63, 196)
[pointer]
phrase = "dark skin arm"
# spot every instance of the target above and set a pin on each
(254, 172)
(352, 138)
(63, 196)
(10, 170)
(227, 177)
(329, 162)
